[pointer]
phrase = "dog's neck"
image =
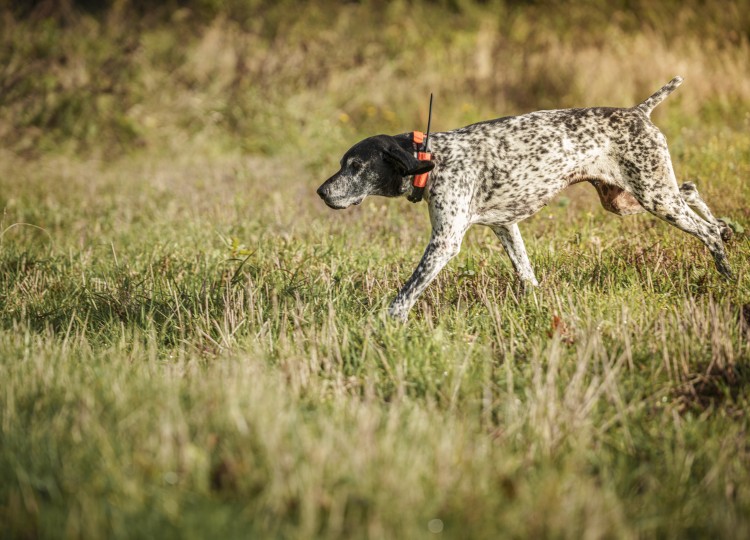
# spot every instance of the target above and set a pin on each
(405, 141)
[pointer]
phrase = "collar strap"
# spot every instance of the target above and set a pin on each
(420, 180)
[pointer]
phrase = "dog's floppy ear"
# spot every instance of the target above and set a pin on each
(405, 162)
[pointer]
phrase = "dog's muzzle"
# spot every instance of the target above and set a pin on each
(337, 203)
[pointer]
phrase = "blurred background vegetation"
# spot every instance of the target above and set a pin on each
(107, 78)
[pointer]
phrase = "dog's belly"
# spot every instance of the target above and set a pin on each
(507, 214)
(510, 203)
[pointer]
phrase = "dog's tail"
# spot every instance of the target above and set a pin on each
(649, 105)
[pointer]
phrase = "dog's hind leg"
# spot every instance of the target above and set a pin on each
(667, 203)
(510, 238)
(690, 195)
(674, 210)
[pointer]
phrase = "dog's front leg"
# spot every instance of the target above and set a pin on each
(444, 245)
(510, 237)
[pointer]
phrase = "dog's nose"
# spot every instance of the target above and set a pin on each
(322, 191)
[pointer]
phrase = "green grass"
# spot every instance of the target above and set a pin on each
(193, 345)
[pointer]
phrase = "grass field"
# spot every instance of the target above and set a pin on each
(192, 345)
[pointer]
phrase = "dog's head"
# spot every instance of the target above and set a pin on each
(375, 166)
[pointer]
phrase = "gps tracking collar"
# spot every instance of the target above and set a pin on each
(420, 142)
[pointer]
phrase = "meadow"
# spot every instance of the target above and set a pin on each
(193, 345)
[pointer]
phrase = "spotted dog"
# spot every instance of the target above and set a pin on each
(500, 172)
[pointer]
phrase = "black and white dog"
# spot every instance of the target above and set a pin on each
(498, 173)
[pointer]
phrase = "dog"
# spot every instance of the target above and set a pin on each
(500, 172)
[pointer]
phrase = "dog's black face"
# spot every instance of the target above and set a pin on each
(375, 166)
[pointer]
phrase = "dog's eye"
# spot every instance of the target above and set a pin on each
(356, 166)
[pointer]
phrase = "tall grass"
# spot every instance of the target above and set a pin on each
(192, 345)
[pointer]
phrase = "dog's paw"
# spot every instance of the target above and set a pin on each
(726, 233)
(398, 313)
(728, 228)
(722, 265)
